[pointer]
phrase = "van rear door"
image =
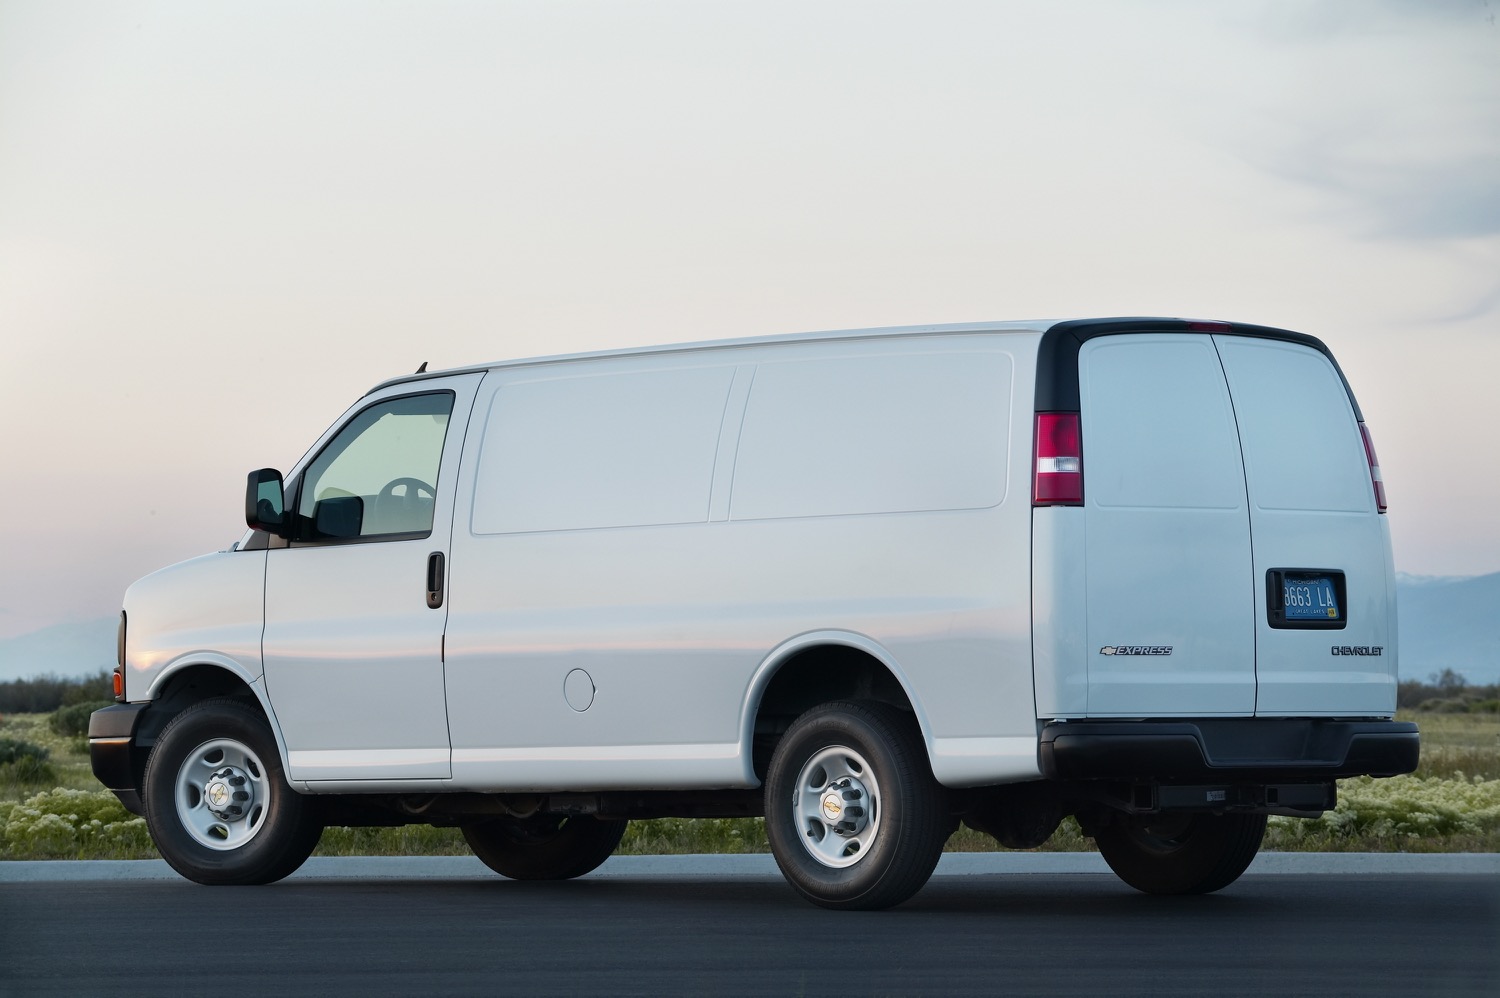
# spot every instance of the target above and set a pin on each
(1323, 610)
(1169, 593)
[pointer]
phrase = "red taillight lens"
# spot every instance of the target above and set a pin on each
(1375, 478)
(1057, 478)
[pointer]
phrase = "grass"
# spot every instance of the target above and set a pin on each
(53, 809)
(67, 763)
(1453, 744)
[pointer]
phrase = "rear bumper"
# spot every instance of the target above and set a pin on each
(112, 751)
(1227, 750)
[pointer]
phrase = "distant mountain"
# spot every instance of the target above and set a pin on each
(68, 650)
(1447, 622)
(1417, 581)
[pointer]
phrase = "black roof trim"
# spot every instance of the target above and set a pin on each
(1057, 356)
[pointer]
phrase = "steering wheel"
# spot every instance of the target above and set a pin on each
(413, 487)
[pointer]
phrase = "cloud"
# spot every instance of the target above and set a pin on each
(1389, 111)
(1454, 201)
(1382, 197)
(1481, 306)
(1298, 20)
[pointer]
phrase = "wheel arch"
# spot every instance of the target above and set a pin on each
(819, 667)
(193, 679)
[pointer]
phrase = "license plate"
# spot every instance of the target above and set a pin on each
(1310, 598)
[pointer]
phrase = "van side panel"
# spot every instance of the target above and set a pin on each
(1059, 611)
(205, 609)
(551, 463)
(845, 436)
(576, 631)
(1312, 506)
(666, 628)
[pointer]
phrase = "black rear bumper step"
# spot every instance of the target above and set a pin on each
(1239, 749)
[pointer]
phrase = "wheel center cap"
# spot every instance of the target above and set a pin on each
(227, 794)
(846, 806)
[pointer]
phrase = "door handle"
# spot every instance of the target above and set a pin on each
(435, 579)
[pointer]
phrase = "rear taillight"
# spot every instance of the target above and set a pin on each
(1375, 479)
(1057, 469)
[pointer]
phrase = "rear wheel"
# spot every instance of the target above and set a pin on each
(217, 803)
(854, 816)
(1181, 854)
(544, 846)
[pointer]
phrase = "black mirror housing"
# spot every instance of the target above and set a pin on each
(265, 502)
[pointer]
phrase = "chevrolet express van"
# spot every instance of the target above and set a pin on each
(868, 584)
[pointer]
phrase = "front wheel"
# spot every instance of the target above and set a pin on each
(544, 846)
(1181, 854)
(854, 816)
(217, 803)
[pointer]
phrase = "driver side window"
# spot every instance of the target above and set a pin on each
(377, 477)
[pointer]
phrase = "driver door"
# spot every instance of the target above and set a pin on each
(355, 604)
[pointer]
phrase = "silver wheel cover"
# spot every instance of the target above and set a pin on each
(836, 804)
(220, 794)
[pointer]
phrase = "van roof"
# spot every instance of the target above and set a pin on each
(831, 334)
(1079, 328)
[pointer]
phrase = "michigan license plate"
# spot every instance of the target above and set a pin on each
(1310, 598)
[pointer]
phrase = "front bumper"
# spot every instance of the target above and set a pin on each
(113, 753)
(1227, 750)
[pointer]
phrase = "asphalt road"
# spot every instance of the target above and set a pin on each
(1054, 934)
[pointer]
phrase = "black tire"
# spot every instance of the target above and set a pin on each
(1183, 854)
(545, 846)
(220, 753)
(844, 756)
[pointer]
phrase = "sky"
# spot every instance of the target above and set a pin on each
(221, 223)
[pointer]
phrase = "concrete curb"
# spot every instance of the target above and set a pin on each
(759, 866)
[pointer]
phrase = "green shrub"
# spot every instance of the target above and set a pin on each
(403, 840)
(44, 693)
(1444, 705)
(659, 836)
(73, 721)
(12, 751)
(1404, 808)
(27, 771)
(24, 764)
(67, 824)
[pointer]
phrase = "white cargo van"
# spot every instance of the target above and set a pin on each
(868, 584)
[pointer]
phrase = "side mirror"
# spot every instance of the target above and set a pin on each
(265, 502)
